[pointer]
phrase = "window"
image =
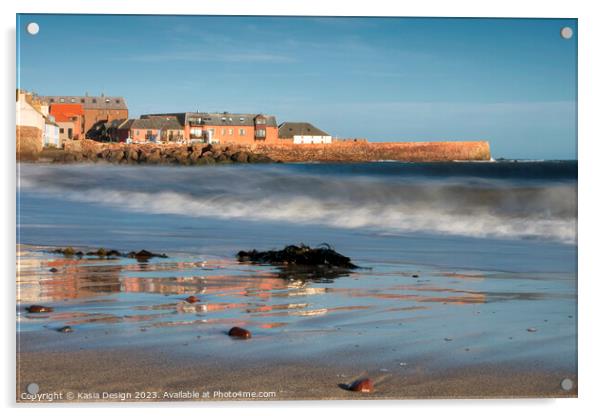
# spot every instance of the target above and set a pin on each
(230, 132)
(137, 132)
(62, 100)
(117, 101)
(260, 133)
(61, 130)
(94, 100)
(241, 132)
(52, 100)
(82, 101)
(107, 100)
(223, 132)
(72, 100)
(260, 120)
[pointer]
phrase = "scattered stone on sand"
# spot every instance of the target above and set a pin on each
(101, 252)
(144, 255)
(238, 332)
(192, 299)
(53, 270)
(415, 276)
(531, 329)
(39, 309)
(364, 385)
(65, 329)
(302, 255)
(448, 339)
(67, 251)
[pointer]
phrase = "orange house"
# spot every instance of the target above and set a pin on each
(228, 128)
(70, 118)
(97, 109)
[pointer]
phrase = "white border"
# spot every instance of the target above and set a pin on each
(590, 72)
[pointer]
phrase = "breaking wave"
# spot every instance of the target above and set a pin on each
(476, 205)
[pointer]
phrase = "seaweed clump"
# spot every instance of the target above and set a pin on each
(302, 255)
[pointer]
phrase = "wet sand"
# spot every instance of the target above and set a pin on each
(417, 331)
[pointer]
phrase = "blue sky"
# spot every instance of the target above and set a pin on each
(509, 81)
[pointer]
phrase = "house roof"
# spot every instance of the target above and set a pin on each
(288, 129)
(88, 102)
(156, 123)
(64, 112)
(220, 119)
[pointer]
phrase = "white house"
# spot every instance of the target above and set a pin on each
(27, 113)
(51, 134)
(303, 133)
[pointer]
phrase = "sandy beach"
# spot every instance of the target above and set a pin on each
(463, 288)
(155, 375)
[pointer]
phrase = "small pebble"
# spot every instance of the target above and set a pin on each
(39, 309)
(531, 329)
(239, 333)
(191, 299)
(53, 270)
(65, 329)
(415, 276)
(447, 339)
(364, 385)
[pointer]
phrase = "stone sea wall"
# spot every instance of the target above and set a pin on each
(204, 154)
(371, 151)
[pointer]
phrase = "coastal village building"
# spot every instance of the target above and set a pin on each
(233, 128)
(51, 136)
(31, 115)
(70, 118)
(303, 133)
(97, 109)
(156, 129)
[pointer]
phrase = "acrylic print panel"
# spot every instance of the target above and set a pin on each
(284, 208)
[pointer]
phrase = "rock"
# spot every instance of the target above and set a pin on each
(192, 299)
(67, 251)
(298, 255)
(65, 329)
(364, 385)
(531, 329)
(39, 309)
(144, 255)
(205, 160)
(240, 157)
(154, 157)
(415, 276)
(238, 332)
(447, 339)
(223, 158)
(259, 158)
(53, 270)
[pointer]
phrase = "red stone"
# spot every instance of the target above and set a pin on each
(38, 309)
(239, 333)
(364, 385)
(192, 299)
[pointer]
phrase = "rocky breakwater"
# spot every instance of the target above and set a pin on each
(153, 154)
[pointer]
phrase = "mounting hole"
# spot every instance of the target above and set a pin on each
(566, 384)
(33, 388)
(33, 28)
(566, 32)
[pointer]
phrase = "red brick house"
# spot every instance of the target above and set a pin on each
(226, 128)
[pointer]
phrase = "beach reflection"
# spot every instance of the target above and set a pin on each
(92, 290)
